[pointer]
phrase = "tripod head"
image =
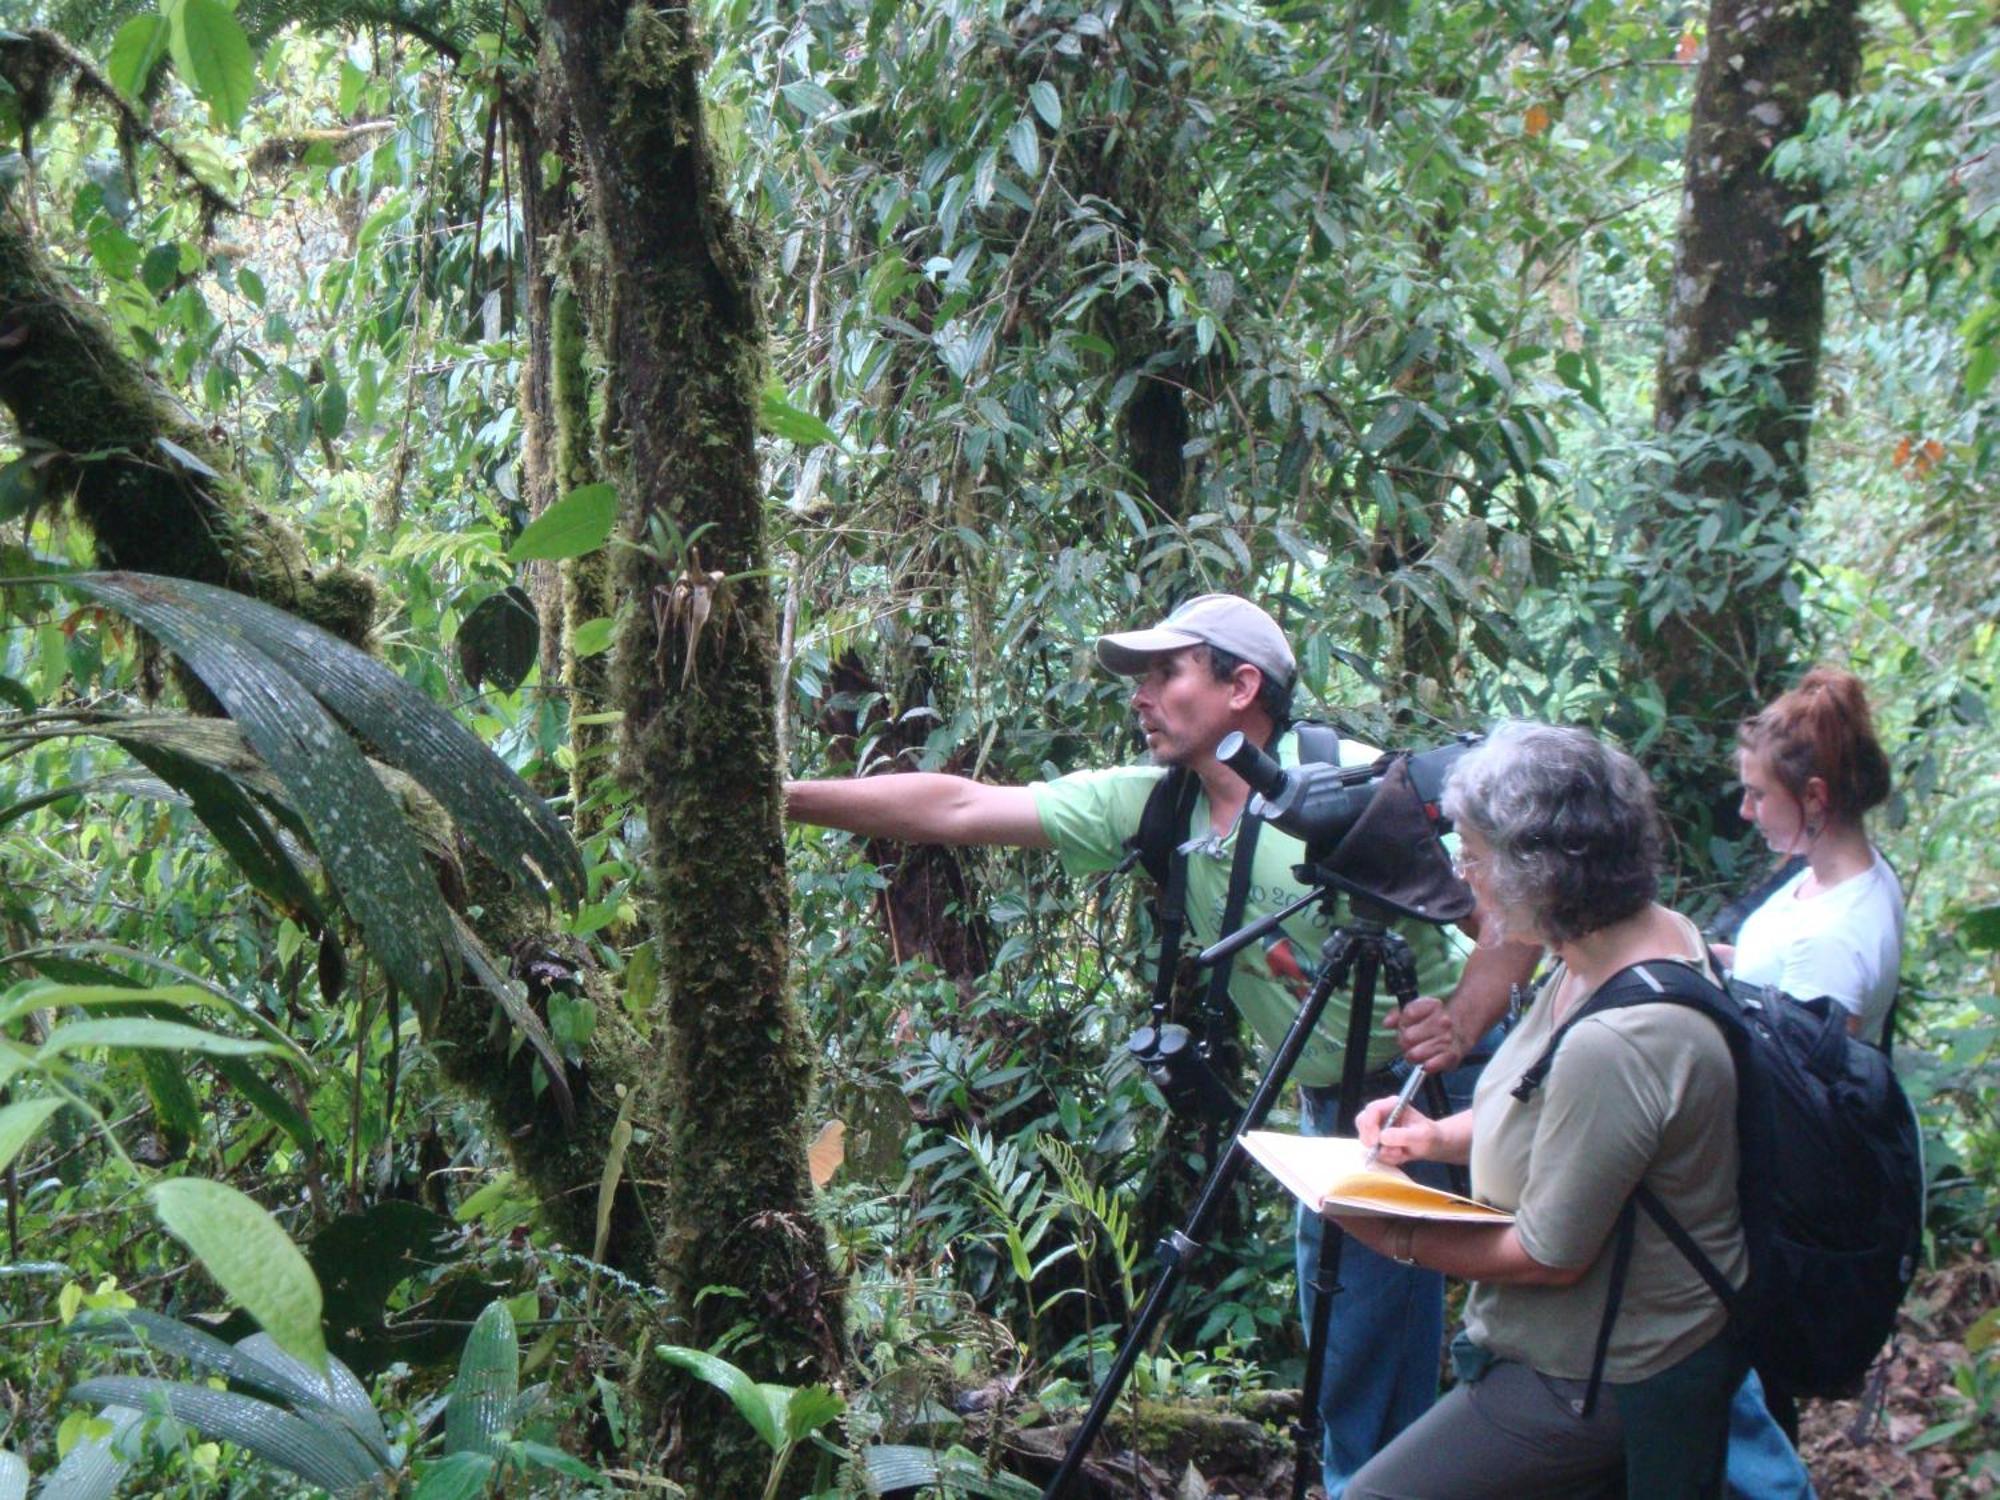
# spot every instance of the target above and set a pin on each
(1370, 831)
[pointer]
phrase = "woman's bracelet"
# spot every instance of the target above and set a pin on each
(1402, 1243)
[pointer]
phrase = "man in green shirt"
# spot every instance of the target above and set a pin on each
(1215, 665)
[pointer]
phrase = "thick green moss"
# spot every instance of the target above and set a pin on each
(159, 494)
(686, 350)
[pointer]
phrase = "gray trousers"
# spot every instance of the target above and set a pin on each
(1509, 1432)
(1509, 1435)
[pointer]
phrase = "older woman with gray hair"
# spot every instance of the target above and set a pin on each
(1561, 844)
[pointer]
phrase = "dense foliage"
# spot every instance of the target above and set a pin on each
(1073, 309)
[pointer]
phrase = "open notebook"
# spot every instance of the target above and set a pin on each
(1328, 1173)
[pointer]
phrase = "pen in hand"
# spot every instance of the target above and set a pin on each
(1403, 1097)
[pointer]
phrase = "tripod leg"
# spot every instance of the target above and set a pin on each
(1308, 1433)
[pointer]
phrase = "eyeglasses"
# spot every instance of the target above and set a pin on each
(1463, 864)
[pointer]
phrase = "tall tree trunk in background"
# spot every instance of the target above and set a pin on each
(540, 129)
(1714, 623)
(694, 676)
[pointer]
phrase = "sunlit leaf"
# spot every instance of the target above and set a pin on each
(212, 56)
(20, 1122)
(579, 523)
(742, 1391)
(782, 419)
(251, 1258)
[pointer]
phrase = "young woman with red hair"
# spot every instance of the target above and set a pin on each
(1812, 768)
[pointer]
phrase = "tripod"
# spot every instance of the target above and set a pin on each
(1360, 950)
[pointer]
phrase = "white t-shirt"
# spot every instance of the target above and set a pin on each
(1844, 942)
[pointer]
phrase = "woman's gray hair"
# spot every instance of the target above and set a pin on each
(1571, 823)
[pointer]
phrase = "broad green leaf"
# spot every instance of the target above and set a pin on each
(176, 1113)
(20, 1121)
(116, 253)
(542, 1456)
(331, 410)
(102, 987)
(1980, 928)
(744, 1392)
(251, 1258)
(794, 424)
(1042, 94)
(135, 51)
(136, 1031)
(593, 636)
(326, 1455)
(489, 1374)
(456, 1476)
(614, 1168)
(212, 56)
(808, 1408)
(579, 523)
(1025, 146)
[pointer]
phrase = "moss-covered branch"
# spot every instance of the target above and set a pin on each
(159, 493)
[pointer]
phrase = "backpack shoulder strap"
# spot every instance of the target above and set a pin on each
(1163, 824)
(1640, 984)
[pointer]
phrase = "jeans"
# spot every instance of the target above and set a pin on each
(1762, 1462)
(1385, 1339)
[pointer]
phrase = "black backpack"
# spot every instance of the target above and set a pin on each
(1831, 1181)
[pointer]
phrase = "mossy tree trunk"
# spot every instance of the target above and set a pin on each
(76, 395)
(1722, 633)
(694, 675)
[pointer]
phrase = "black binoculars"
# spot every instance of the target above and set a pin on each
(1179, 1067)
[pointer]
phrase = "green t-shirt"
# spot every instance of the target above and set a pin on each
(1089, 815)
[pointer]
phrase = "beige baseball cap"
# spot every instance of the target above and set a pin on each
(1226, 621)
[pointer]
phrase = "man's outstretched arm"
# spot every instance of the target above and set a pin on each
(920, 807)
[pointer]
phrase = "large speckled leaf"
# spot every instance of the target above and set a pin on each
(250, 1257)
(245, 835)
(891, 1468)
(494, 808)
(360, 834)
(255, 1365)
(91, 1470)
(329, 1456)
(489, 1375)
(341, 1394)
